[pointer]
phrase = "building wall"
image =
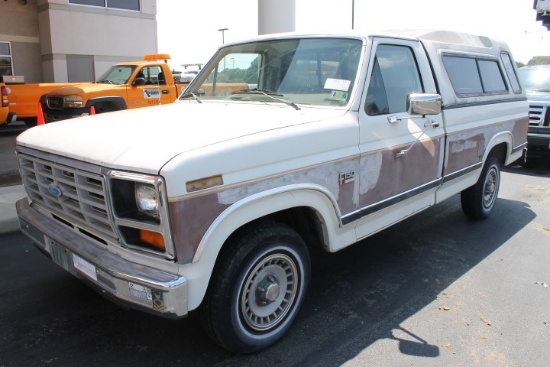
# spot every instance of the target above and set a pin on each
(43, 32)
(19, 27)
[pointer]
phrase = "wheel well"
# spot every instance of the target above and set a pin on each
(304, 220)
(106, 106)
(499, 151)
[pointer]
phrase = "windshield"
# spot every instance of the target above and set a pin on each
(535, 78)
(117, 74)
(318, 71)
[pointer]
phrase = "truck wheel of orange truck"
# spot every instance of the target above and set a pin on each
(103, 107)
(29, 122)
(257, 287)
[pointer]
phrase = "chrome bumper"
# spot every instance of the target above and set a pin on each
(133, 285)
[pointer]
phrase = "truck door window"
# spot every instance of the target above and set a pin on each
(394, 76)
(151, 74)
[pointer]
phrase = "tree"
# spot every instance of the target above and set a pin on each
(539, 60)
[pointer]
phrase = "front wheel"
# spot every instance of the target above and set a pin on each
(257, 288)
(478, 200)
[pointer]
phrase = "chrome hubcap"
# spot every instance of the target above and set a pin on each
(269, 292)
(489, 191)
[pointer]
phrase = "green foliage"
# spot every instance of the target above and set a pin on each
(539, 60)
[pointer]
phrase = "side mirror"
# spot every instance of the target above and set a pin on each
(423, 104)
(139, 81)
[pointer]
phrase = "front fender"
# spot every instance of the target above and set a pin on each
(252, 208)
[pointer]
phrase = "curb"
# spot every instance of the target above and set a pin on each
(9, 195)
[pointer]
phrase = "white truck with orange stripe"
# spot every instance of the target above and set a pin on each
(279, 144)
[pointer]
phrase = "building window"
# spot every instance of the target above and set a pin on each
(6, 64)
(114, 4)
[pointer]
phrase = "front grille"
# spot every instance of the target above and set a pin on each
(76, 196)
(55, 103)
(539, 115)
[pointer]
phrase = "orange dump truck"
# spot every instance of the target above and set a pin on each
(125, 85)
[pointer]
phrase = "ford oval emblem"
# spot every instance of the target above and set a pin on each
(54, 190)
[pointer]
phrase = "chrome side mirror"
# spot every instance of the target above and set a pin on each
(423, 104)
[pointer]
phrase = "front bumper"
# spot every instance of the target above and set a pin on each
(538, 138)
(64, 114)
(130, 284)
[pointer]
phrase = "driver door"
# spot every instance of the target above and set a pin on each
(153, 92)
(401, 155)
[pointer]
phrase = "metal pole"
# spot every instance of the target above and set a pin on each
(352, 14)
(223, 34)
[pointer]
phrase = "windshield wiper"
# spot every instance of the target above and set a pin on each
(540, 90)
(266, 92)
(269, 93)
(106, 81)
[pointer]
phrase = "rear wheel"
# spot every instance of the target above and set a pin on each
(257, 288)
(478, 200)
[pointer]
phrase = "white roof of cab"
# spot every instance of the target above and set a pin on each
(442, 37)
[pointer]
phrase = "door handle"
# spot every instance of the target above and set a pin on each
(165, 91)
(432, 123)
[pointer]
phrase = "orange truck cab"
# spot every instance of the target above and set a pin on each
(124, 86)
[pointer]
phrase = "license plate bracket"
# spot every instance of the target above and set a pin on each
(85, 267)
(59, 254)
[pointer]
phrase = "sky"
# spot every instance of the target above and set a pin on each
(189, 30)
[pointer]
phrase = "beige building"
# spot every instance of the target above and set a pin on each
(73, 40)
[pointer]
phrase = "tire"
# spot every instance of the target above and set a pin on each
(29, 121)
(245, 308)
(478, 200)
(104, 107)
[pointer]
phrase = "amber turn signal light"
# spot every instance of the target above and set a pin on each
(152, 238)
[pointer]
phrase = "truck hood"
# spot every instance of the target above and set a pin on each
(145, 139)
(533, 96)
(84, 88)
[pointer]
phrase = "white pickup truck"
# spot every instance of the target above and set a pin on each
(280, 144)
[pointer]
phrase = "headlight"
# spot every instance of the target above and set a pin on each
(73, 101)
(147, 199)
